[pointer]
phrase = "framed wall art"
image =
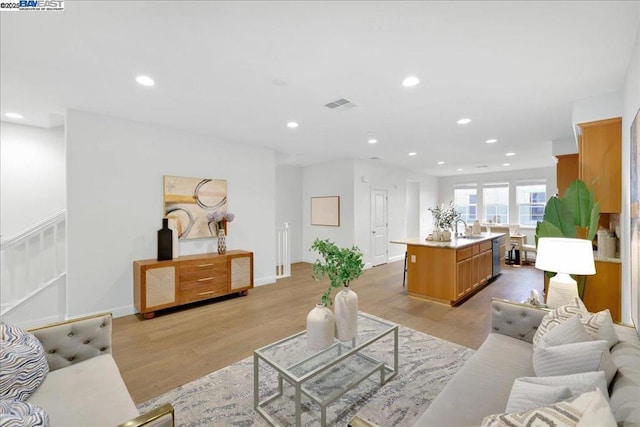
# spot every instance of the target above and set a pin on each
(325, 211)
(190, 200)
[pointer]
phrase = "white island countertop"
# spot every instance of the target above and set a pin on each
(454, 243)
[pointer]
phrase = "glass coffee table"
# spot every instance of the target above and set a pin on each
(324, 375)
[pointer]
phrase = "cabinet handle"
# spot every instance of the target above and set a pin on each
(206, 293)
(206, 279)
(204, 265)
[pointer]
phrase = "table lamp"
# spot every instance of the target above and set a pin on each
(564, 256)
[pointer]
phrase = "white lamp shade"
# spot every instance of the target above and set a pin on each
(565, 255)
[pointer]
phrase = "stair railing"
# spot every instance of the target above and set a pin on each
(32, 261)
(283, 252)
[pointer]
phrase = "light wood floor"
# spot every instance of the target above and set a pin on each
(178, 346)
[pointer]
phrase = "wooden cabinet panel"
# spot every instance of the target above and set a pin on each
(603, 289)
(485, 267)
(600, 161)
(163, 284)
(464, 277)
(567, 171)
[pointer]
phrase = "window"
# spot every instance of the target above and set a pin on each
(496, 203)
(531, 200)
(465, 200)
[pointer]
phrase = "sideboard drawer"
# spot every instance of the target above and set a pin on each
(197, 293)
(207, 280)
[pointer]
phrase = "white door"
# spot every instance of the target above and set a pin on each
(379, 240)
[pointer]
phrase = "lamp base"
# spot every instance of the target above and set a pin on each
(562, 290)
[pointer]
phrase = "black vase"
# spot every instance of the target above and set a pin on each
(165, 241)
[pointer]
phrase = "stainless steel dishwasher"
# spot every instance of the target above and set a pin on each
(495, 249)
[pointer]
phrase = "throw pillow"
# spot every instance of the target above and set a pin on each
(567, 332)
(24, 365)
(577, 383)
(14, 413)
(587, 410)
(598, 325)
(574, 358)
(525, 396)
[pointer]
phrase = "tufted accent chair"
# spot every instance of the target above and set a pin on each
(68, 343)
(515, 320)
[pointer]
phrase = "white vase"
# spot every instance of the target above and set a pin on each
(346, 312)
(320, 328)
(446, 235)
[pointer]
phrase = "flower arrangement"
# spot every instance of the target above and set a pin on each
(219, 218)
(444, 217)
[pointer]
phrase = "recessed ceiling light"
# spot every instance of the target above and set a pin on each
(460, 169)
(413, 153)
(292, 125)
(491, 141)
(410, 81)
(145, 80)
(464, 121)
(441, 162)
(14, 115)
(510, 154)
(506, 164)
(372, 141)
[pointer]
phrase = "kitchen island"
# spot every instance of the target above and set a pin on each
(450, 272)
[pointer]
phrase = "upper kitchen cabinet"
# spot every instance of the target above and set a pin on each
(600, 161)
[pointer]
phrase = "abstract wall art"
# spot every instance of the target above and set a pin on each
(190, 200)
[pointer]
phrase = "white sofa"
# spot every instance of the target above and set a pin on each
(84, 387)
(482, 386)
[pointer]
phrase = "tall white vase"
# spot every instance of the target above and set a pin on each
(346, 312)
(320, 328)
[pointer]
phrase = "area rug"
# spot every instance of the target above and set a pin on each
(225, 397)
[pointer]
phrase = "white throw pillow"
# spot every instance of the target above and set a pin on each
(598, 325)
(577, 383)
(587, 410)
(526, 395)
(574, 358)
(569, 331)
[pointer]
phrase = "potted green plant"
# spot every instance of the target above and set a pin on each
(576, 214)
(341, 266)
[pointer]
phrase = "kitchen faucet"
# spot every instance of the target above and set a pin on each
(456, 227)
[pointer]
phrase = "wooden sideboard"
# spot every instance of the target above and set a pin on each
(163, 284)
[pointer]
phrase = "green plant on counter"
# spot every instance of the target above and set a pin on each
(340, 265)
(563, 217)
(444, 217)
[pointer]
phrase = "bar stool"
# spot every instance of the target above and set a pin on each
(404, 276)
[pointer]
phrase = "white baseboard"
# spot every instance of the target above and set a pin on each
(43, 321)
(396, 258)
(264, 281)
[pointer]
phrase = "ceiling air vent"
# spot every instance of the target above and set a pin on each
(374, 158)
(482, 166)
(342, 104)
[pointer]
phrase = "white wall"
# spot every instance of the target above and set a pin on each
(328, 179)
(114, 202)
(395, 182)
(600, 107)
(32, 176)
(631, 104)
(289, 205)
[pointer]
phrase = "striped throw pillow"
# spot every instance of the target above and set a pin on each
(24, 365)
